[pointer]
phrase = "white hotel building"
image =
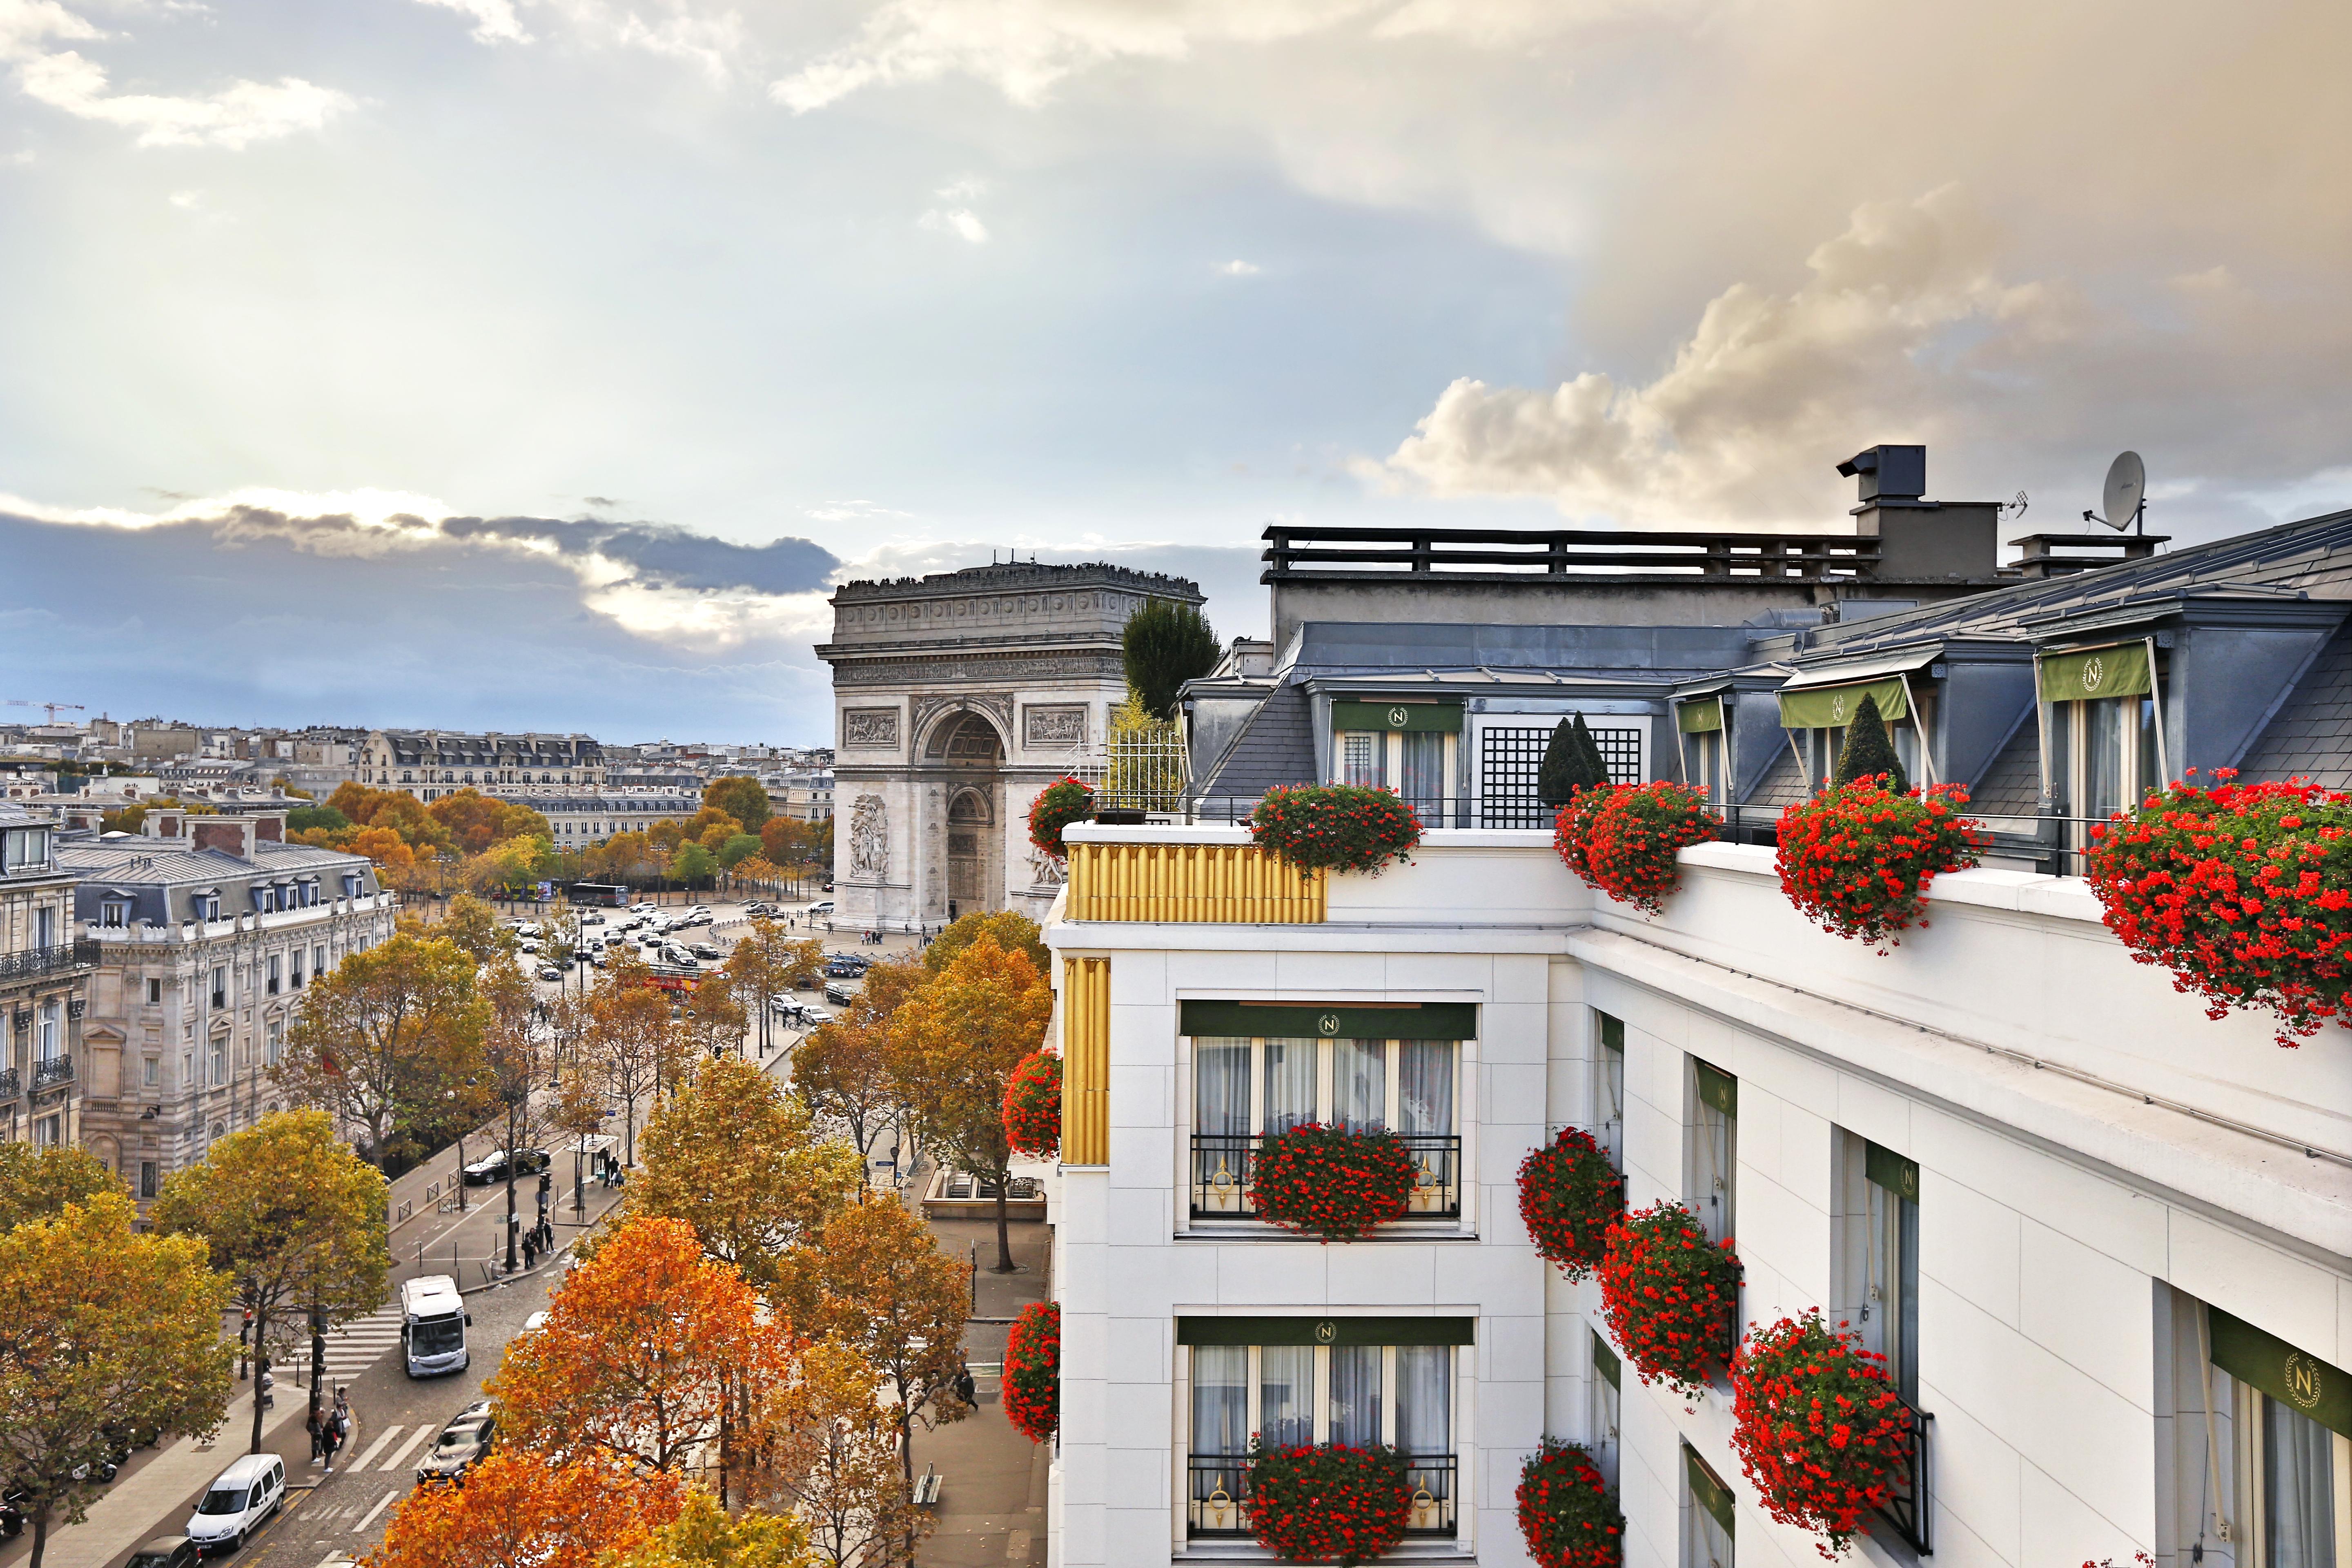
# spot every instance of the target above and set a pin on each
(2106, 1242)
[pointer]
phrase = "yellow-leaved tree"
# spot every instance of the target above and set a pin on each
(528, 1510)
(378, 1041)
(843, 1069)
(37, 1183)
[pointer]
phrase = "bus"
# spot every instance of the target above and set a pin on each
(433, 1324)
(601, 895)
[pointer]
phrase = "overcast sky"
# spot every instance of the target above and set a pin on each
(704, 307)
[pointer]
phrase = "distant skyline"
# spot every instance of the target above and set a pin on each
(708, 307)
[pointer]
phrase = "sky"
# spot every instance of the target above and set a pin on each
(542, 364)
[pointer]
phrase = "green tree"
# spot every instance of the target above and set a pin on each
(1013, 932)
(736, 850)
(1165, 644)
(309, 818)
(692, 866)
(107, 1334)
(1867, 751)
(293, 1218)
(37, 1183)
(740, 796)
(473, 925)
(1571, 761)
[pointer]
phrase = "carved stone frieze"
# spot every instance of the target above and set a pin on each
(869, 727)
(1054, 724)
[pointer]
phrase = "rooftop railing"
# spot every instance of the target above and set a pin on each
(1310, 553)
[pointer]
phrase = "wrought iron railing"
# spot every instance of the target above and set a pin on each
(1907, 1508)
(1217, 1495)
(12, 1083)
(2056, 845)
(50, 1073)
(59, 959)
(1221, 1166)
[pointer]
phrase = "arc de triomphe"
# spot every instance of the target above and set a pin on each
(957, 697)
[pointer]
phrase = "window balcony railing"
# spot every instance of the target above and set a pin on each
(64, 958)
(1217, 1498)
(1906, 1510)
(1222, 1169)
(12, 1084)
(51, 1073)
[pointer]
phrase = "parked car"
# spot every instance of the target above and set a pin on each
(551, 972)
(238, 1503)
(642, 909)
(165, 1551)
(463, 1444)
(705, 950)
(493, 1167)
(592, 919)
(599, 960)
(826, 908)
(838, 994)
(847, 966)
(678, 958)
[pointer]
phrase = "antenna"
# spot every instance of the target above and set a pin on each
(2126, 495)
(2015, 509)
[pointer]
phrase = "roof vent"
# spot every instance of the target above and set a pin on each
(1888, 473)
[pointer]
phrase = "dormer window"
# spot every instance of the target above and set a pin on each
(114, 913)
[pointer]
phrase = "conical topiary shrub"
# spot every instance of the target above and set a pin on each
(1867, 752)
(1571, 761)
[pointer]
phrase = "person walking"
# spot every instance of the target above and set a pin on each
(333, 1438)
(317, 1423)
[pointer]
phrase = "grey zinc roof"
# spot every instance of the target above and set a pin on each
(1783, 785)
(1275, 747)
(2311, 736)
(2011, 786)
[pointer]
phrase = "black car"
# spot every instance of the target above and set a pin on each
(492, 1168)
(166, 1552)
(845, 966)
(463, 1444)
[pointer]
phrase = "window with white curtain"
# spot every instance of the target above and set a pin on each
(1244, 1089)
(1878, 1224)
(1708, 1515)
(2284, 1459)
(1714, 1148)
(1608, 1088)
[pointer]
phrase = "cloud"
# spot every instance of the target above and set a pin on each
(495, 21)
(1238, 268)
(234, 117)
(961, 222)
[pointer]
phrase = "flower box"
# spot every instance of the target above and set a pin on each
(1856, 859)
(1334, 827)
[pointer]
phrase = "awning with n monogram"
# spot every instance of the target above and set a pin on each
(1331, 1020)
(2119, 671)
(2296, 1379)
(1418, 717)
(1824, 697)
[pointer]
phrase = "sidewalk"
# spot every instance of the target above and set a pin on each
(991, 1510)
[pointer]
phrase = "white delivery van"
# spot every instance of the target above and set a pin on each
(238, 1503)
(432, 1323)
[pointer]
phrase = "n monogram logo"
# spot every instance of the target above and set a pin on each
(1325, 1331)
(1837, 708)
(2094, 671)
(2302, 1378)
(1328, 1024)
(1396, 718)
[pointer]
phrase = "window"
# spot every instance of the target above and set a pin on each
(1511, 755)
(264, 900)
(1306, 1394)
(44, 926)
(24, 849)
(2102, 758)
(220, 1061)
(1878, 1202)
(318, 961)
(114, 913)
(49, 1040)
(150, 1181)
(154, 993)
(350, 887)
(276, 973)
(1713, 1147)
(1248, 1087)
(220, 986)
(1608, 1378)
(150, 1071)
(1608, 1088)
(48, 1132)
(1708, 1514)
(205, 906)
(277, 1039)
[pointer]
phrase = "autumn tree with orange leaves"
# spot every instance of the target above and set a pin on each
(843, 1069)
(954, 1044)
(652, 1355)
(629, 1041)
(887, 1291)
(520, 1510)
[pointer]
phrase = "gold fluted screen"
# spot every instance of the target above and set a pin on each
(1085, 1061)
(1232, 884)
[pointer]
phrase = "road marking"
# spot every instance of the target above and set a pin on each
(401, 1457)
(365, 1460)
(336, 1559)
(369, 1517)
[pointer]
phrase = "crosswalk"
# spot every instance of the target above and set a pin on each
(352, 1348)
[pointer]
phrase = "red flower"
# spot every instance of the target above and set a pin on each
(1336, 827)
(1623, 839)
(1857, 860)
(1569, 1198)
(1330, 1504)
(1332, 1182)
(1058, 806)
(1818, 1428)
(1033, 1106)
(1033, 1371)
(1568, 1515)
(1668, 1295)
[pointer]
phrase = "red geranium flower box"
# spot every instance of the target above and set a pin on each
(1033, 1106)
(1569, 1198)
(1329, 1503)
(1819, 1427)
(1668, 1295)
(1033, 1371)
(1332, 1182)
(1856, 859)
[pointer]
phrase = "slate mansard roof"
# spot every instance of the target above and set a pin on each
(162, 881)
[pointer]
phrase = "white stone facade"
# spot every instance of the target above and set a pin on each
(2094, 1160)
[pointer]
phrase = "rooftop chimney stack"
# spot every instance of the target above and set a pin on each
(1919, 541)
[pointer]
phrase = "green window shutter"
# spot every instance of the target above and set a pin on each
(2119, 671)
(1612, 1032)
(1708, 1492)
(1413, 718)
(1696, 718)
(1331, 1021)
(1892, 1171)
(1604, 1361)
(1296, 1330)
(2300, 1381)
(1718, 1089)
(1832, 707)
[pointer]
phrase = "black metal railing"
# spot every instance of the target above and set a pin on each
(1906, 1510)
(12, 1083)
(1217, 1495)
(1223, 1162)
(51, 1073)
(59, 959)
(1319, 552)
(2054, 844)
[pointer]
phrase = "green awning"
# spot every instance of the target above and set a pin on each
(1698, 716)
(2119, 671)
(1708, 1492)
(1604, 1361)
(2296, 1379)
(1612, 1032)
(1717, 1087)
(1414, 717)
(1892, 1171)
(1331, 1020)
(1298, 1331)
(1832, 707)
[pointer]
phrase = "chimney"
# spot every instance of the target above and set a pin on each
(229, 835)
(163, 824)
(1919, 541)
(269, 826)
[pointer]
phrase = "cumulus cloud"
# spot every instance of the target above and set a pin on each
(495, 21)
(235, 116)
(713, 40)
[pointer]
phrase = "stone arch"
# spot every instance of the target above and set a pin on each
(965, 738)
(970, 807)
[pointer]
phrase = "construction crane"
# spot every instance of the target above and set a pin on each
(54, 708)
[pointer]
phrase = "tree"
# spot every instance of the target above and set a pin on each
(889, 1294)
(515, 1063)
(740, 796)
(313, 818)
(474, 926)
(954, 1044)
(736, 851)
(713, 1022)
(735, 1157)
(294, 1219)
(1571, 761)
(703, 1535)
(651, 1354)
(627, 1047)
(849, 1491)
(528, 1510)
(1013, 932)
(107, 1334)
(1165, 644)
(843, 1066)
(692, 866)
(761, 969)
(1867, 752)
(37, 1183)
(376, 1041)
(474, 821)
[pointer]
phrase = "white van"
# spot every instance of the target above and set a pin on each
(432, 1323)
(238, 1503)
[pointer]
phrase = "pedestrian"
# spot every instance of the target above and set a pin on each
(269, 1383)
(531, 1249)
(332, 1440)
(317, 1426)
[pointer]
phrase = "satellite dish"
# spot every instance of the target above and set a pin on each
(2127, 491)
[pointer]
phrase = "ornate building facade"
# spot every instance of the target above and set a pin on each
(957, 697)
